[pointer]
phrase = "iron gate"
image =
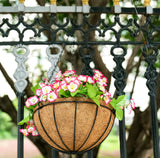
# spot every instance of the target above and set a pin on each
(101, 27)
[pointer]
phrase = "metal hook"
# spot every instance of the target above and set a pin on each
(53, 58)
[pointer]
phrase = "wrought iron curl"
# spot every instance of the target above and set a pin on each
(87, 59)
(119, 73)
(151, 74)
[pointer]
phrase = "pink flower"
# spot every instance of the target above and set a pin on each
(56, 85)
(77, 81)
(35, 133)
(42, 84)
(90, 80)
(97, 73)
(102, 81)
(69, 73)
(46, 82)
(107, 99)
(24, 132)
(64, 86)
(107, 94)
(59, 76)
(46, 89)
(30, 129)
(30, 122)
(33, 100)
(69, 79)
(72, 86)
(52, 96)
(132, 103)
(82, 78)
(27, 103)
(43, 97)
(38, 92)
(102, 88)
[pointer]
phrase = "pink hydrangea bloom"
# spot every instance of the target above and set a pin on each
(72, 86)
(52, 96)
(33, 100)
(46, 89)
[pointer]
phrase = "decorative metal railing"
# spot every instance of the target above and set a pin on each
(133, 26)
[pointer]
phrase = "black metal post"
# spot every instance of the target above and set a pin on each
(55, 153)
(19, 118)
(120, 75)
(151, 75)
(155, 130)
(122, 138)
(90, 154)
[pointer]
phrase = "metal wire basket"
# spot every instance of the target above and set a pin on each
(73, 125)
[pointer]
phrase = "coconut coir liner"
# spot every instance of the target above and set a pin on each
(70, 136)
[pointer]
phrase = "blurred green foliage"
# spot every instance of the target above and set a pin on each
(7, 129)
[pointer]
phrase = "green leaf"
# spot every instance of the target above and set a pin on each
(96, 101)
(37, 86)
(24, 120)
(119, 113)
(113, 103)
(121, 100)
(64, 93)
(74, 93)
(117, 104)
(91, 90)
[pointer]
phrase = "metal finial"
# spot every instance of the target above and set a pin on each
(85, 2)
(53, 2)
(21, 1)
(117, 7)
(147, 2)
(115, 2)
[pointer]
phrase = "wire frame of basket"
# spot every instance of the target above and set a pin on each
(73, 125)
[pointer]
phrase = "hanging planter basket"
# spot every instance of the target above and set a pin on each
(73, 124)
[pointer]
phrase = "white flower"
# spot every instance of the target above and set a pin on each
(72, 86)
(33, 100)
(46, 89)
(52, 96)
